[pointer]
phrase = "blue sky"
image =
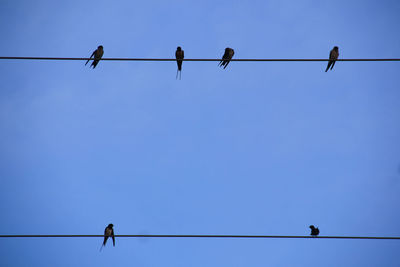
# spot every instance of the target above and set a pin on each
(258, 148)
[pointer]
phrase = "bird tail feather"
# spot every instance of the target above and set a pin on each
(327, 67)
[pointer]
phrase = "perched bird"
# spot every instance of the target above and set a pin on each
(109, 231)
(179, 54)
(98, 53)
(333, 55)
(314, 231)
(226, 57)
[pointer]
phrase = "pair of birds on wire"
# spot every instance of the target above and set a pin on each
(226, 58)
(109, 232)
(179, 55)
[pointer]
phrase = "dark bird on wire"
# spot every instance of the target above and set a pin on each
(97, 54)
(333, 55)
(109, 231)
(179, 54)
(314, 231)
(226, 57)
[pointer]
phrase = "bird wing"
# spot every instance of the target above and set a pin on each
(231, 53)
(113, 237)
(102, 53)
(98, 54)
(94, 52)
(179, 54)
(105, 236)
(329, 64)
(333, 55)
(226, 55)
(224, 58)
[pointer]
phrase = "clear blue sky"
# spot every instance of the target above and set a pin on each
(258, 148)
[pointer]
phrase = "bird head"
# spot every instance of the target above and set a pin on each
(312, 226)
(178, 48)
(110, 225)
(336, 48)
(100, 47)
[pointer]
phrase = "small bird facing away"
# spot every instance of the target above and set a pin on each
(179, 54)
(229, 52)
(314, 231)
(98, 53)
(333, 55)
(109, 231)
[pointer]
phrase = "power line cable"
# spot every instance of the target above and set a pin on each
(201, 59)
(209, 236)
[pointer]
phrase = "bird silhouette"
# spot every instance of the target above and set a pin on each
(314, 231)
(109, 231)
(97, 54)
(179, 54)
(333, 56)
(226, 58)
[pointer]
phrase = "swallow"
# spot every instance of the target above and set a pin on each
(229, 52)
(179, 54)
(109, 231)
(97, 54)
(333, 55)
(314, 231)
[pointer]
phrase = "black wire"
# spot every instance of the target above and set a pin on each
(198, 59)
(209, 236)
